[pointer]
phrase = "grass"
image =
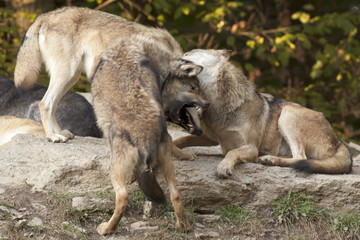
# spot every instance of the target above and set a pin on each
(295, 206)
(348, 224)
(233, 214)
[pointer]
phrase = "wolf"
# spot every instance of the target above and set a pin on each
(69, 41)
(131, 98)
(256, 127)
(74, 112)
(11, 126)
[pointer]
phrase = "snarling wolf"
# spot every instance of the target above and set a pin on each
(256, 127)
(74, 112)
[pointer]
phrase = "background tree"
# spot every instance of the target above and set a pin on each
(304, 51)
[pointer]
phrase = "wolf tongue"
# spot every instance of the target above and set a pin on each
(194, 120)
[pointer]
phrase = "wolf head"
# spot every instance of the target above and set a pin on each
(182, 102)
(210, 60)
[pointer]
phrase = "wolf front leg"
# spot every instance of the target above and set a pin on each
(60, 82)
(246, 153)
(191, 140)
(124, 158)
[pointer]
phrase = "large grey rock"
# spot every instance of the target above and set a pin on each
(82, 166)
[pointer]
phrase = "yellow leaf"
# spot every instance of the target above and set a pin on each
(339, 77)
(186, 10)
(291, 45)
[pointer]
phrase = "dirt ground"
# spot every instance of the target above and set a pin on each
(19, 206)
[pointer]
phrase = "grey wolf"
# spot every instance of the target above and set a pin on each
(10, 126)
(69, 41)
(255, 127)
(129, 67)
(74, 112)
(132, 95)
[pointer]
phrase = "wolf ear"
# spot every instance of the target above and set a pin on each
(189, 68)
(225, 53)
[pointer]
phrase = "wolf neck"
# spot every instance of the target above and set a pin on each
(227, 82)
(161, 50)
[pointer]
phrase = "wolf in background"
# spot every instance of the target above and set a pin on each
(256, 127)
(74, 112)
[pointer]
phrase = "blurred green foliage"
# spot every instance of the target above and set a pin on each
(303, 51)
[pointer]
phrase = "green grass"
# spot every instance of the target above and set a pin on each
(137, 199)
(295, 206)
(233, 214)
(348, 224)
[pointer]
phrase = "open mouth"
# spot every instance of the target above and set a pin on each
(187, 116)
(189, 119)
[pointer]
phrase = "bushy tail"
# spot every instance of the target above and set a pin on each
(148, 183)
(339, 163)
(29, 60)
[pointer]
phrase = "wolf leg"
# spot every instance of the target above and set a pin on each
(124, 158)
(180, 154)
(48, 104)
(278, 161)
(167, 168)
(192, 140)
(292, 134)
(246, 153)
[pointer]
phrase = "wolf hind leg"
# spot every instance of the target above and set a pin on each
(293, 136)
(167, 169)
(47, 106)
(124, 158)
(270, 160)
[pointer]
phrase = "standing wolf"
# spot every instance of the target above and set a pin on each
(69, 41)
(247, 124)
(133, 70)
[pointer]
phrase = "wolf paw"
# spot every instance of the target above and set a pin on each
(102, 229)
(187, 156)
(64, 136)
(182, 155)
(183, 226)
(267, 160)
(225, 169)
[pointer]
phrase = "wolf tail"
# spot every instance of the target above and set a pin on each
(29, 60)
(148, 183)
(339, 163)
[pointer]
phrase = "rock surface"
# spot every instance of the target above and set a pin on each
(82, 166)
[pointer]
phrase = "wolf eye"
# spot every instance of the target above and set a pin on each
(194, 88)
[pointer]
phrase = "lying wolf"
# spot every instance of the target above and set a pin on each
(69, 41)
(254, 127)
(74, 111)
(11, 126)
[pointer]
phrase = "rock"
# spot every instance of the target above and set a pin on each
(67, 225)
(82, 165)
(149, 209)
(201, 234)
(141, 226)
(20, 223)
(199, 225)
(82, 203)
(35, 222)
(210, 218)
